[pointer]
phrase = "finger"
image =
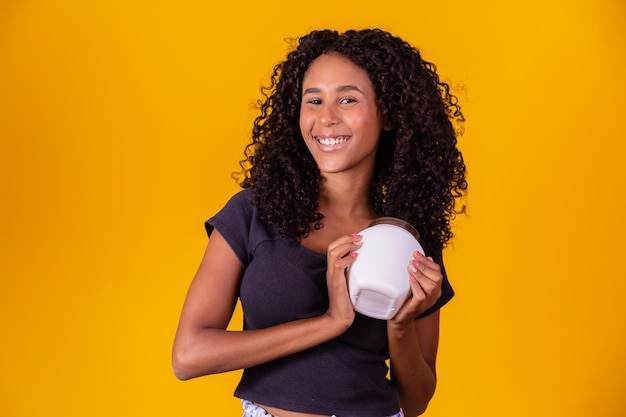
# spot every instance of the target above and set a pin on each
(426, 267)
(424, 294)
(341, 252)
(429, 287)
(340, 266)
(342, 256)
(343, 247)
(353, 239)
(428, 279)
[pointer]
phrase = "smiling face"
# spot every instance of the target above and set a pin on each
(339, 117)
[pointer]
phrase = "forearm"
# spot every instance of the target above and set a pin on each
(412, 374)
(209, 351)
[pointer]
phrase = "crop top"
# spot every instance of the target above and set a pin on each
(284, 281)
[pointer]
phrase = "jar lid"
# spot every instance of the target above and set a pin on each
(397, 222)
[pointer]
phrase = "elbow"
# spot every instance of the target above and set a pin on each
(181, 365)
(188, 363)
(418, 405)
(181, 374)
(423, 405)
(421, 410)
(416, 411)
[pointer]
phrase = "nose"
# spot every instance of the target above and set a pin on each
(328, 114)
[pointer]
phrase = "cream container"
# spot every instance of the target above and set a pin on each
(378, 279)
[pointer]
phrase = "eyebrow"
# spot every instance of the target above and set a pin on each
(341, 88)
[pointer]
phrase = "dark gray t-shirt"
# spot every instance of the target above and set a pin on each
(284, 281)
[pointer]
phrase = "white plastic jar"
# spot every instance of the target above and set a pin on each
(378, 280)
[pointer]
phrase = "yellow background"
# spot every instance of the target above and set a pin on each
(121, 121)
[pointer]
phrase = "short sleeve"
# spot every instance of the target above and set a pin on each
(233, 222)
(446, 290)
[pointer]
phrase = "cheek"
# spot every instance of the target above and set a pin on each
(375, 123)
(305, 123)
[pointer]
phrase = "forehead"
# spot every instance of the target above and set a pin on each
(336, 69)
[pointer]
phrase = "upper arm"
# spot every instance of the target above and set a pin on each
(427, 330)
(213, 293)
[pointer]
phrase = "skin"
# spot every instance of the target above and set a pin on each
(341, 126)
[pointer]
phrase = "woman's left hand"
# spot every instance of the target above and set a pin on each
(425, 279)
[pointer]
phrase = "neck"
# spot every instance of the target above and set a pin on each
(342, 197)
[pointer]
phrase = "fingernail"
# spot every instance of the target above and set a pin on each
(412, 268)
(415, 263)
(418, 253)
(353, 254)
(354, 235)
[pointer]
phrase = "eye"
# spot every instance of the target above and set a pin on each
(347, 100)
(314, 101)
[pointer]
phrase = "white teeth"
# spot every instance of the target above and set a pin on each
(332, 141)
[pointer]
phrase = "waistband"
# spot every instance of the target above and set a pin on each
(253, 410)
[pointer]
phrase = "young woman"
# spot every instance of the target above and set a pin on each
(354, 126)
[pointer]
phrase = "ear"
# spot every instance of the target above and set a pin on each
(387, 125)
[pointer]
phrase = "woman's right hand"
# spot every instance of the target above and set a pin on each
(340, 255)
(203, 345)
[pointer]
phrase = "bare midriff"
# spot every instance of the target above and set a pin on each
(277, 412)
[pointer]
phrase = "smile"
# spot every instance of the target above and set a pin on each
(331, 141)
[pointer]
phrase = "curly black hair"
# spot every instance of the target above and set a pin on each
(419, 172)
